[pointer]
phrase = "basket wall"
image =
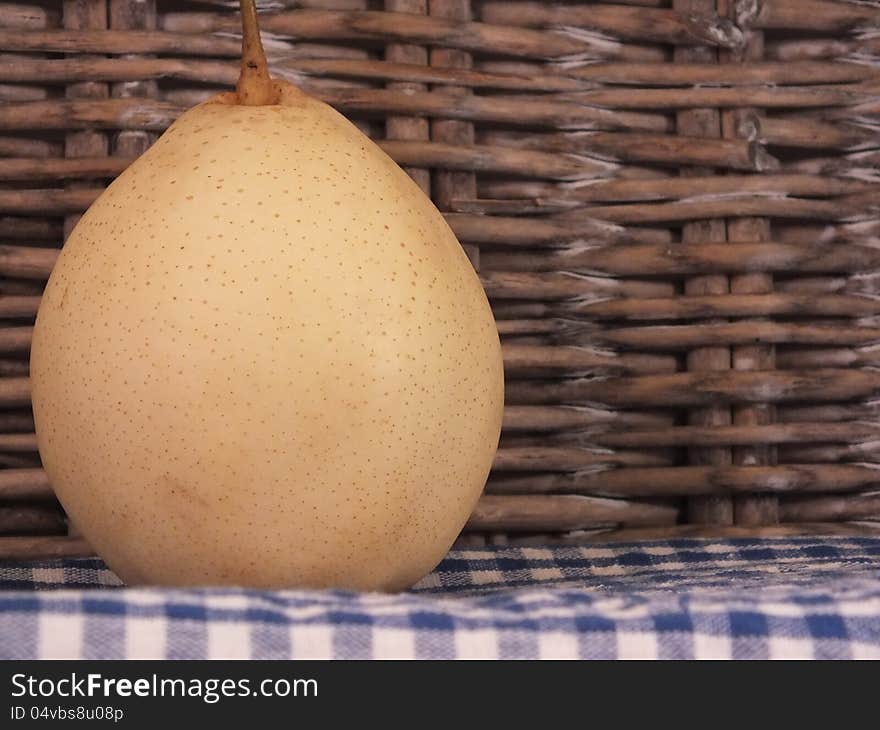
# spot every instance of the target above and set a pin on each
(672, 206)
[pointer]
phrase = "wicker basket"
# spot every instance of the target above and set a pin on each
(671, 204)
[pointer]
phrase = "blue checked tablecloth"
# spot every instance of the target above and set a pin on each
(779, 598)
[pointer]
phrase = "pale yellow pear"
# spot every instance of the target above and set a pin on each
(263, 359)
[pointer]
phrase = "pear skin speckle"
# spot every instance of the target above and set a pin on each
(263, 359)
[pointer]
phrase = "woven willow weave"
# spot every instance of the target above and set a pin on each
(672, 205)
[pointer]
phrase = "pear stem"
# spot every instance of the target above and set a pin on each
(254, 87)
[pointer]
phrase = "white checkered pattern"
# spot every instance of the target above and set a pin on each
(782, 598)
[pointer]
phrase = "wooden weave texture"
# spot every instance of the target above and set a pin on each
(672, 205)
